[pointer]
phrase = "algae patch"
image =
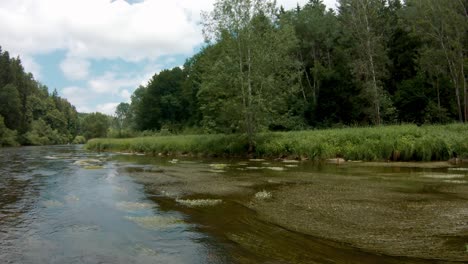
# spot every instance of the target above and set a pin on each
(155, 222)
(263, 195)
(199, 202)
(52, 203)
(442, 176)
(71, 198)
(133, 206)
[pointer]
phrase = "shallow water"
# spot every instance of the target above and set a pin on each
(65, 205)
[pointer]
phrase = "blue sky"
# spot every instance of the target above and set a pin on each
(97, 52)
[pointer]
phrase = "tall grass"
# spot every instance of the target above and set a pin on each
(405, 143)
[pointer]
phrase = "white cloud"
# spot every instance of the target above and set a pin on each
(126, 95)
(90, 30)
(108, 108)
(101, 28)
(30, 65)
(112, 86)
(75, 68)
(111, 83)
(104, 28)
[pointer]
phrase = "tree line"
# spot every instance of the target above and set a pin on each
(265, 68)
(31, 115)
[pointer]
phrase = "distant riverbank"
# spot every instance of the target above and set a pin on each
(395, 143)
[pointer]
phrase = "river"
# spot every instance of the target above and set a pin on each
(63, 204)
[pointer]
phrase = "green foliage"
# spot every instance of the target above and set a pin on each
(252, 68)
(398, 143)
(42, 133)
(95, 125)
(27, 107)
(7, 136)
(79, 140)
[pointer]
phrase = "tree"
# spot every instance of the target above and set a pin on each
(361, 20)
(443, 24)
(123, 117)
(10, 106)
(7, 136)
(95, 125)
(255, 70)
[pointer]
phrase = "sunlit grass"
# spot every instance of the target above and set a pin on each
(398, 143)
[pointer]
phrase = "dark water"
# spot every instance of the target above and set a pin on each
(65, 205)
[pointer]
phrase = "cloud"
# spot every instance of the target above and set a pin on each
(104, 28)
(126, 95)
(111, 83)
(30, 65)
(75, 68)
(112, 86)
(101, 28)
(108, 108)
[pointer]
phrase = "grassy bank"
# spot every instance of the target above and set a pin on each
(404, 143)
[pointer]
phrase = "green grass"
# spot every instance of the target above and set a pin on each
(405, 143)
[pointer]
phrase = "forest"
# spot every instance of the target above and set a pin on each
(31, 115)
(264, 68)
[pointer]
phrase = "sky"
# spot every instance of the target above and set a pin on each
(97, 52)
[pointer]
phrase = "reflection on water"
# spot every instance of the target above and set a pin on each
(65, 205)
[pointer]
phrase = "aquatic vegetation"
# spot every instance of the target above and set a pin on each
(382, 143)
(456, 181)
(459, 169)
(263, 195)
(120, 189)
(86, 162)
(71, 198)
(155, 222)
(52, 203)
(83, 228)
(434, 175)
(217, 171)
(141, 249)
(90, 164)
(219, 166)
(275, 168)
(133, 206)
(93, 167)
(290, 161)
(256, 160)
(199, 202)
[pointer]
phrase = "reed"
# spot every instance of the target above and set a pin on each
(398, 143)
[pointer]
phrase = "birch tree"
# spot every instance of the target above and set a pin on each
(360, 20)
(444, 26)
(253, 69)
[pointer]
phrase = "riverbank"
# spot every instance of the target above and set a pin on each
(395, 143)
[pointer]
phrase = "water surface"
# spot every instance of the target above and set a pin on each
(65, 205)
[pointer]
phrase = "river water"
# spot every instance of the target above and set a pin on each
(63, 204)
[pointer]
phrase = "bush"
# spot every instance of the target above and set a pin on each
(7, 136)
(79, 140)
